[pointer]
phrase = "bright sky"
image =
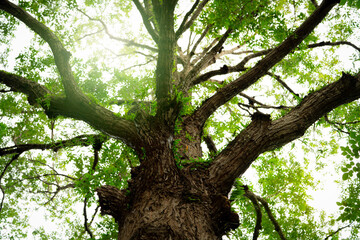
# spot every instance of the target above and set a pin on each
(324, 199)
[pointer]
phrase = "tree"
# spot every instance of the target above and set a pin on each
(163, 162)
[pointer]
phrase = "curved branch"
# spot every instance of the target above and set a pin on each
(262, 134)
(263, 66)
(61, 55)
(250, 195)
(83, 109)
(322, 44)
(146, 21)
(337, 231)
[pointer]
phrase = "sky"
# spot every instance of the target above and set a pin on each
(324, 198)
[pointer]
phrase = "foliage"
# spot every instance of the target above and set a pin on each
(113, 61)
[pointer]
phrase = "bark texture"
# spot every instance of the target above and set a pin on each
(171, 194)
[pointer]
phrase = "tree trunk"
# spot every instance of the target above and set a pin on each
(166, 202)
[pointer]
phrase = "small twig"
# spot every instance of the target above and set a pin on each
(138, 65)
(279, 80)
(86, 221)
(261, 105)
(90, 34)
(126, 41)
(336, 124)
(332, 234)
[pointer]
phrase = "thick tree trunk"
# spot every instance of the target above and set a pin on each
(164, 202)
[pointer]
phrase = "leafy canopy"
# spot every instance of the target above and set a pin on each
(114, 61)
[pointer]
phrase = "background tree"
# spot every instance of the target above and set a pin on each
(162, 119)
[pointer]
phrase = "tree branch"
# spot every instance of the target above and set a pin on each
(263, 66)
(241, 65)
(83, 140)
(271, 216)
(112, 201)
(84, 109)
(61, 55)
(15, 157)
(314, 2)
(126, 41)
(337, 231)
(203, 34)
(86, 225)
(146, 21)
(187, 24)
(252, 101)
(262, 134)
(279, 80)
(322, 44)
(210, 144)
(250, 195)
(205, 61)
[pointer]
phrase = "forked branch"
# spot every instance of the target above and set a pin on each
(262, 134)
(255, 199)
(194, 15)
(264, 65)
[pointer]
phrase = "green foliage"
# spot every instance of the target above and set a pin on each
(108, 71)
(351, 3)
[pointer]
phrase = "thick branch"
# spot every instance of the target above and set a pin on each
(164, 12)
(146, 21)
(84, 109)
(210, 144)
(263, 134)
(61, 55)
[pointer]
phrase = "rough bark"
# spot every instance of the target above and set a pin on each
(165, 198)
(167, 203)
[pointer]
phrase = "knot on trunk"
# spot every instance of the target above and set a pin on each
(224, 217)
(112, 201)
